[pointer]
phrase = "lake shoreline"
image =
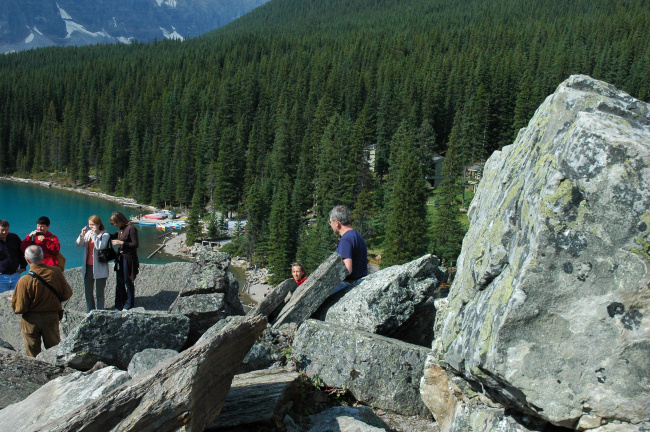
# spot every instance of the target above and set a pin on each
(128, 202)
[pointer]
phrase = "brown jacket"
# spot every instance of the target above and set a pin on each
(32, 296)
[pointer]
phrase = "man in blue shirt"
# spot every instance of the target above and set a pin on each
(352, 247)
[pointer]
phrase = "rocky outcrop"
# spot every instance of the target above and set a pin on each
(378, 371)
(210, 295)
(60, 397)
(313, 292)
(20, 376)
(387, 299)
(115, 337)
(548, 311)
(148, 359)
(184, 393)
(260, 398)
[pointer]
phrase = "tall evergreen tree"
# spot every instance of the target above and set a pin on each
(406, 213)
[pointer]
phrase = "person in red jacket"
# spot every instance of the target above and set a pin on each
(42, 237)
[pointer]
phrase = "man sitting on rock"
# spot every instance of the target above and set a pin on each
(38, 303)
(352, 247)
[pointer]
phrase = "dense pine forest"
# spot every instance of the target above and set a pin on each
(270, 115)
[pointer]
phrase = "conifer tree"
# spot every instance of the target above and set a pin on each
(282, 234)
(406, 214)
(194, 225)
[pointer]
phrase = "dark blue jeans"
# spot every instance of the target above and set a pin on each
(125, 289)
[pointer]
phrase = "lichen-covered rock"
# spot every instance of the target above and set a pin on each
(115, 337)
(387, 299)
(59, 397)
(378, 371)
(549, 309)
(148, 359)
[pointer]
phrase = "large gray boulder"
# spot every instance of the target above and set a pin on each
(210, 295)
(387, 299)
(21, 375)
(550, 303)
(313, 292)
(60, 397)
(115, 337)
(186, 392)
(378, 371)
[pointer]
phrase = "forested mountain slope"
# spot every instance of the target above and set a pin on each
(271, 113)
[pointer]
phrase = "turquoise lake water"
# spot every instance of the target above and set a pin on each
(22, 204)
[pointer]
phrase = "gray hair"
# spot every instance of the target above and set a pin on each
(341, 214)
(34, 254)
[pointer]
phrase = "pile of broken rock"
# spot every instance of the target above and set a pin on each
(544, 328)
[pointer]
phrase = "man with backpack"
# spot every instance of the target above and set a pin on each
(38, 298)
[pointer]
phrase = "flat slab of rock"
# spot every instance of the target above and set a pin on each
(21, 375)
(183, 393)
(59, 397)
(549, 309)
(347, 419)
(387, 299)
(259, 397)
(115, 337)
(378, 371)
(313, 292)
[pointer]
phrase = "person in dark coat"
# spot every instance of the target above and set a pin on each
(127, 265)
(12, 261)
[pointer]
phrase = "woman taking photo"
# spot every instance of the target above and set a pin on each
(94, 238)
(127, 265)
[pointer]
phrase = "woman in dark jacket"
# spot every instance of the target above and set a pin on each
(127, 265)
